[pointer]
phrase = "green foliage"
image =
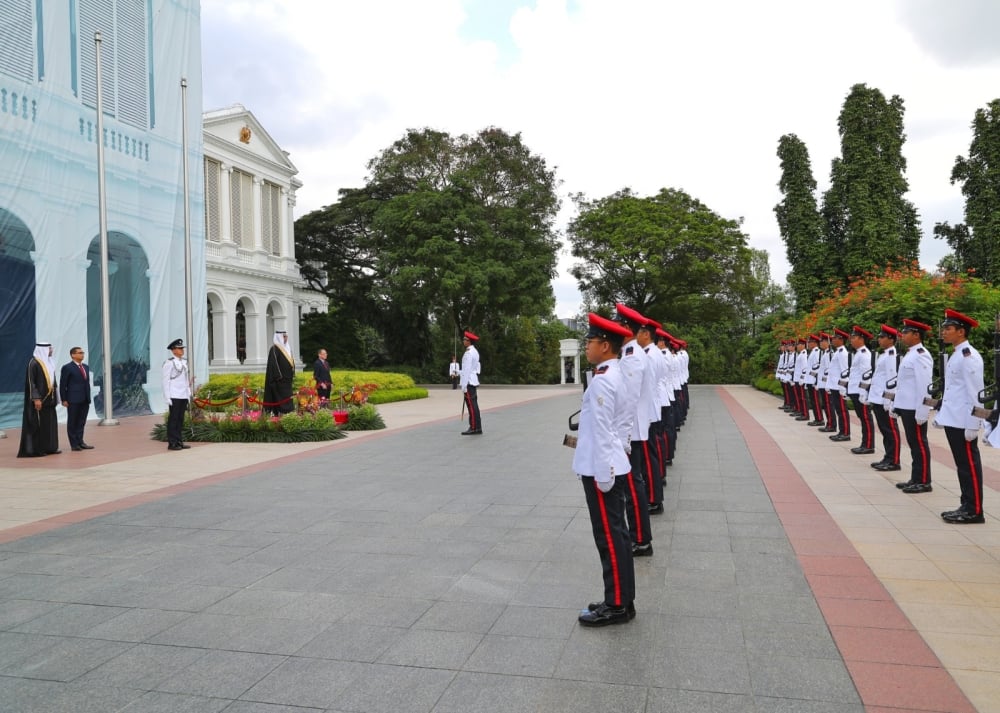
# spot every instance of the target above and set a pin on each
(363, 418)
(335, 332)
(385, 397)
(975, 242)
(801, 224)
(261, 428)
(869, 221)
(390, 387)
(769, 384)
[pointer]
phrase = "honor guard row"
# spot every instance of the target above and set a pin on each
(632, 409)
(887, 388)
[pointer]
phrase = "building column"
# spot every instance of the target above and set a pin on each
(288, 223)
(258, 231)
(225, 204)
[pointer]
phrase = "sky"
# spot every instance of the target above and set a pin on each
(645, 94)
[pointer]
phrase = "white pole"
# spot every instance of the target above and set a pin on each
(102, 206)
(188, 294)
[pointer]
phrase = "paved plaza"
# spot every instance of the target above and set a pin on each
(415, 570)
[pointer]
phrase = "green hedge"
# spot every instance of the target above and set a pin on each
(289, 428)
(390, 386)
(386, 397)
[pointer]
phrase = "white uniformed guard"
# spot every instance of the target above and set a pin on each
(176, 392)
(885, 373)
(601, 463)
(861, 364)
(963, 380)
(916, 371)
(469, 381)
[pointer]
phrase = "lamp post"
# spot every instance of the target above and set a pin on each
(102, 209)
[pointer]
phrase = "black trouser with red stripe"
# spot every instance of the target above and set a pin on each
(867, 423)
(814, 402)
(637, 494)
(787, 390)
(669, 434)
(916, 439)
(654, 483)
(472, 403)
(607, 517)
(969, 467)
(889, 429)
(840, 413)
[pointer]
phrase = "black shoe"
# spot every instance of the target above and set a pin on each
(670, 461)
(862, 451)
(184, 446)
(963, 518)
(840, 437)
(629, 609)
(472, 432)
(86, 447)
(815, 423)
(645, 550)
(951, 513)
(656, 509)
(918, 488)
(604, 615)
(879, 463)
(888, 466)
(827, 429)
(77, 448)
(905, 484)
(175, 447)
(801, 418)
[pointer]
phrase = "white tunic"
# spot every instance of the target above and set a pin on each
(860, 364)
(963, 380)
(176, 382)
(885, 371)
(916, 370)
(599, 450)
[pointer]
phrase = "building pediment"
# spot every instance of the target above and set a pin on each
(236, 129)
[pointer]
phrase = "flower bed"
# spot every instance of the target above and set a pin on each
(260, 427)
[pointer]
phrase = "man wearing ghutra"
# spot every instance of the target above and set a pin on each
(39, 427)
(279, 376)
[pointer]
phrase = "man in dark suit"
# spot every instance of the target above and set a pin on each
(74, 392)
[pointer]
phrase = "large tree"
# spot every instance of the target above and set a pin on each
(453, 230)
(668, 254)
(801, 224)
(865, 208)
(974, 243)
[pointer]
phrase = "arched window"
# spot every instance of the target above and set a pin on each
(241, 332)
(211, 333)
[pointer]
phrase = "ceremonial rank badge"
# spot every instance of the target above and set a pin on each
(966, 352)
(920, 350)
(628, 351)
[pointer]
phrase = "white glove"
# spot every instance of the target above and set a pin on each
(892, 414)
(987, 429)
(936, 424)
(921, 422)
(465, 390)
(971, 434)
(863, 396)
(605, 485)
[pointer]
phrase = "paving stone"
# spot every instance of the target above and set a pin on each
(221, 674)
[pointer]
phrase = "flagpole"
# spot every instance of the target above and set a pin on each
(102, 210)
(188, 292)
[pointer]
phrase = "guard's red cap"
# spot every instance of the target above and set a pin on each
(604, 328)
(813, 338)
(838, 332)
(861, 331)
(628, 314)
(911, 325)
(889, 331)
(802, 340)
(470, 336)
(823, 336)
(959, 319)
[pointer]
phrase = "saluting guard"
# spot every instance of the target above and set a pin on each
(176, 384)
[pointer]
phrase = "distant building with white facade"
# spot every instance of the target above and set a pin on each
(252, 279)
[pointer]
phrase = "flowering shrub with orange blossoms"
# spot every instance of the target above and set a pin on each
(887, 296)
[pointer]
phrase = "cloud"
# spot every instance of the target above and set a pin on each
(959, 33)
(640, 93)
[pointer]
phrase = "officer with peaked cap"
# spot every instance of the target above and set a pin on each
(176, 384)
(963, 380)
(468, 380)
(916, 370)
(840, 365)
(601, 463)
(884, 374)
(861, 363)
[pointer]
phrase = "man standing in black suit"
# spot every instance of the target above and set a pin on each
(74, 392)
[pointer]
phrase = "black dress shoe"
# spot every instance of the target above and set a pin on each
(860, 451)
(905, 484)
(963, 518)
(918, 488)
(86, 447)
(815, 423)
(472, 432)
(175, 447)
(888, 466)
(645, 550)
(77, 448)
(656, 508)
(604, 615)
(827, 429)
(877, 463)
(840, 437)
(801, 418)
(629, 609)
(950, 513)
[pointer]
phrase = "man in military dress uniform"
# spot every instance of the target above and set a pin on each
(469, 382)
(861, 364)
(176, 384)
(884, 374)
(963, 380)
(916, 370)
(601, 463)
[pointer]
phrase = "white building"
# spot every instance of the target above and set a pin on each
(252, 280)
